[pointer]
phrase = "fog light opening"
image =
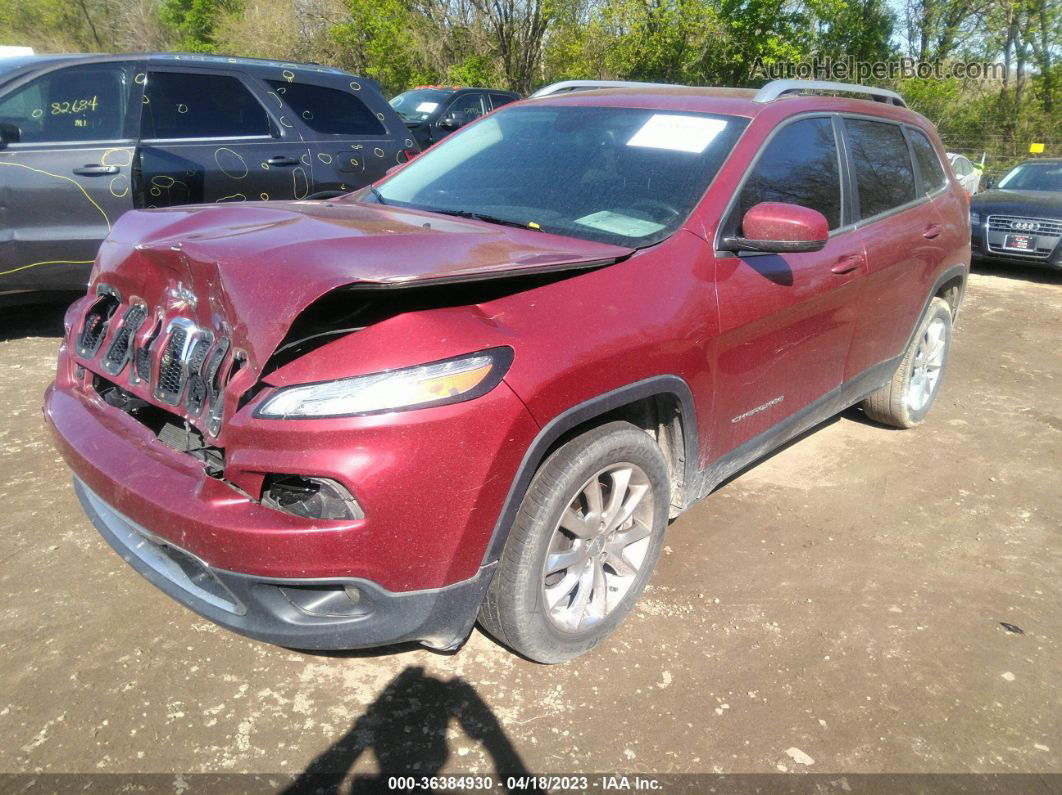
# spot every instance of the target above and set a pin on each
(327, 600)
(310, 497)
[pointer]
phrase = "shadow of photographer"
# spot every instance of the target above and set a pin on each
(405, 726)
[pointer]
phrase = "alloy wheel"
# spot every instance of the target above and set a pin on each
(927, 364)
(598, 547)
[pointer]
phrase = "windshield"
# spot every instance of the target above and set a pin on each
(626, 176)
(1034, 176)
(420, 104)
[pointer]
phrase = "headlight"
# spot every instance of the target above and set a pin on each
(435, 384)
(975, 219)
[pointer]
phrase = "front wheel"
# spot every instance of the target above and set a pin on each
(906, 399)
(583, 545)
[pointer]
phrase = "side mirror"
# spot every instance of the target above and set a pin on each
(989, 183)
(455, 119)
(9, 134)
(780, 228)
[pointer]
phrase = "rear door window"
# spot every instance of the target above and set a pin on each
(799, 166)
(189, 105)
(882, 164)
(79, 103)
(929, 167)
(327, 110)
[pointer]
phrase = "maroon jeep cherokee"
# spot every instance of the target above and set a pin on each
(481, 388)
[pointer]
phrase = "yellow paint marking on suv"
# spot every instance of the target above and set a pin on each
(48, 262)
(73, 182)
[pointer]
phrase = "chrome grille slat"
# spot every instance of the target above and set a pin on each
(97, 320)
(196, 386)
(119, 350)
(170, 381)
(140, 369)
(186, 347)
(214, 388)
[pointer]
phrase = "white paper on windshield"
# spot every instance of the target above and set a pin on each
(679, 133)
(427, 107)
(619, 224)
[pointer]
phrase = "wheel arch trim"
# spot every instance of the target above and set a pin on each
(598, 406)
(960, 272)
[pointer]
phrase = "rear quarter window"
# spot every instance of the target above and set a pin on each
(497, 100)
(929, 166)
(328, 110)
(882, 164)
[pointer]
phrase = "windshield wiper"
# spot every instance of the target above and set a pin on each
(490, 219)
(376, 195)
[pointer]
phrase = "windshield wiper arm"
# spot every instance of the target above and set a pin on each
(490, 219)
(376, 195)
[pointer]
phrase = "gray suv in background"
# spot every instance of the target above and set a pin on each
(85, 138)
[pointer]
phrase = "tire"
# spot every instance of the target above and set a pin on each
(906, 399)
(553, 616)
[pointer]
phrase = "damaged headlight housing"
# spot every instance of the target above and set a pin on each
(435, 384)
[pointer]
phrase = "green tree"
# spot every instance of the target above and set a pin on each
(195, 21)
(381, 40)
(771, 31)
(860, 29)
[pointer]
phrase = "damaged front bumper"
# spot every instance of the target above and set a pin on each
(411, 568)
(322, 614)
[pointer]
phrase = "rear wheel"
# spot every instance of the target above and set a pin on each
(907, 398)
(584, 543)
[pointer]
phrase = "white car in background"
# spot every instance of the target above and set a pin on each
(969, 175)
(568, 86)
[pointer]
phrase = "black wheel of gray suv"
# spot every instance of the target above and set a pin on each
(583, 545)
(907, 398)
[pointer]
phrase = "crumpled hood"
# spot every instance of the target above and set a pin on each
(252, 268)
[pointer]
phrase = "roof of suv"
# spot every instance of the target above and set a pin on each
(22, 64)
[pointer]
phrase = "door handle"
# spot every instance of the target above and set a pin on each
(95, 170)
(847, 263)
(932, 231)
(282, 160)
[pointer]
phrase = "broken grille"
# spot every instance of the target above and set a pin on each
(192, 370)
(97, 319)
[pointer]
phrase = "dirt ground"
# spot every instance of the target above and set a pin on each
(837, 608)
